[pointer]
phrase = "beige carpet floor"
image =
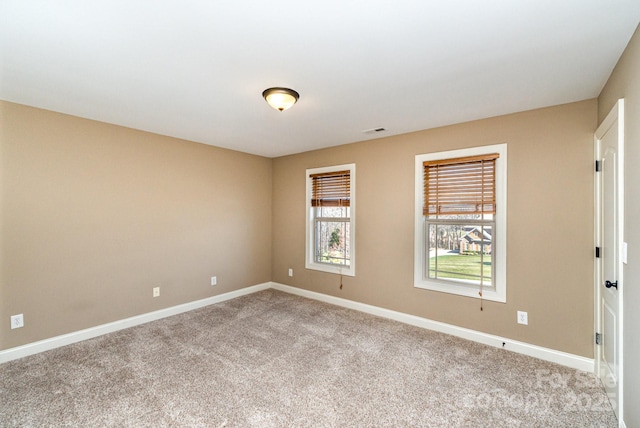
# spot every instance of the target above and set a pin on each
(271, 359)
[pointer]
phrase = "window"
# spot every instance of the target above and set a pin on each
(330, 219)
(460, 227)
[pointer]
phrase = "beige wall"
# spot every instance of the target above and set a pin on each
(550, 225)
(95, 215)
(625, 83)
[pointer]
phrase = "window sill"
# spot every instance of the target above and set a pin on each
(338, 270)
(461, 290)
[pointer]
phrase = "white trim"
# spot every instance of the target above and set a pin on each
(598, 261)
(309, 262)
(621, 213)
(89, 333)
(499, 244)
(558, 357)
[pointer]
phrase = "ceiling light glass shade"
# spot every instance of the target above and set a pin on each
(280, 98)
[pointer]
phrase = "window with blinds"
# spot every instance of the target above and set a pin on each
(461, 221)
(331, 189)
(460, 186)
(330, 224)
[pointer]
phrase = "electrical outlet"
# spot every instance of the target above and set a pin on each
(523, 318)
(156, 291)
(290, 272)
(214, 280)
(17, 321)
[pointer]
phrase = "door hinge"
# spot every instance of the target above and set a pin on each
(598, 339)
(597, 252)
(598, 166)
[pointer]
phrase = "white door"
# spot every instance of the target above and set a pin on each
(610, 182)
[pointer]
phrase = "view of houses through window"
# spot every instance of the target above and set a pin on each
(460, 250)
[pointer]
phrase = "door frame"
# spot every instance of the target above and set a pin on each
(616, 113)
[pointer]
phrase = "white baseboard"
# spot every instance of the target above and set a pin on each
(89, 333)
(563, 358)
(558, 357)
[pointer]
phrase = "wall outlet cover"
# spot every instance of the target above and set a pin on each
(17, 321)
(523, 318)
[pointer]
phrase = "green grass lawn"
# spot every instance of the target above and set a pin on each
(468, 267)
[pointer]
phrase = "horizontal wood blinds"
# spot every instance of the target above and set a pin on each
(460, 186)
(331, 189)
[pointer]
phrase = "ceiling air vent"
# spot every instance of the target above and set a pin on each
(373, 130)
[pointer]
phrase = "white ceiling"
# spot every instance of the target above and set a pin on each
(196, 69)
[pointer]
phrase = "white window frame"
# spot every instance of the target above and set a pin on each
(310, 262)
(497, 292)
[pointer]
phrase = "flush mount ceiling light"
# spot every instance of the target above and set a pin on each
(280, 98)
